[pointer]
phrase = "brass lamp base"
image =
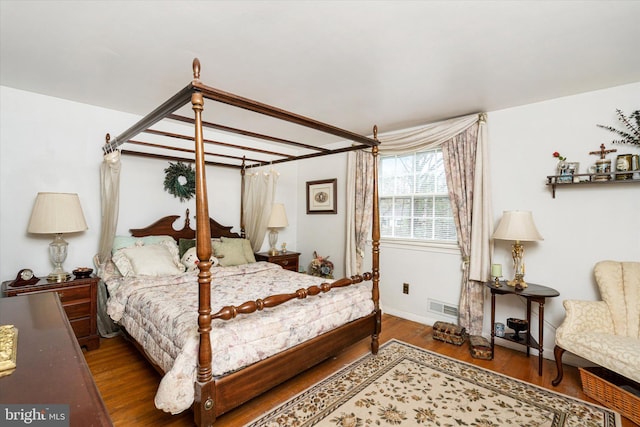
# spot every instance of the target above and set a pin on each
(58, 277)
(518, 282)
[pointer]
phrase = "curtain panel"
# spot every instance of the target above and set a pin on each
(110, 204)
(424, 137)
(472, 169)
(359, 209)
(259, 193)
(464, 180)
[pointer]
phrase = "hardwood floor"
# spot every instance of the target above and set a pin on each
(128, 383)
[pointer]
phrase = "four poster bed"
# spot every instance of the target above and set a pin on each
(212, 312)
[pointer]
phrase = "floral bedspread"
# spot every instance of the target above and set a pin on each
(161, 314)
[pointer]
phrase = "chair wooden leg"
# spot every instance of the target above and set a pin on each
(557, 354)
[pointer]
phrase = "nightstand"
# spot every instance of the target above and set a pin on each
(79, 298)
(288, 260)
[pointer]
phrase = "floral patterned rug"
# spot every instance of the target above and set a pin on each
(409, 386)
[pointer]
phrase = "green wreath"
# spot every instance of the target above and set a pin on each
(180, 180)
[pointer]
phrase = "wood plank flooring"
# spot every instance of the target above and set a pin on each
(128, 383)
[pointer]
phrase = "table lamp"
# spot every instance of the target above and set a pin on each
(519, 227)
(57, 213)
(277, 219)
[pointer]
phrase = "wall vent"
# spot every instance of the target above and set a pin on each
(442, 308)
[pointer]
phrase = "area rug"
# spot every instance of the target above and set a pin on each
(409, 386)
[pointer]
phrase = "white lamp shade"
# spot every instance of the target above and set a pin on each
(56, 213)
(517, 225)
(278, 217)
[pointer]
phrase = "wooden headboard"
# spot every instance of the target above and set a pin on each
(164, 227)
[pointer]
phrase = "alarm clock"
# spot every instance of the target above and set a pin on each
(25, 277)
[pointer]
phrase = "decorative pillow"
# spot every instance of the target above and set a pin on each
(184, 245)
(247, 250)
(120, 242)
(229, 253)
(106, 270)
(190, 259)
(122, 263)
(149, 260)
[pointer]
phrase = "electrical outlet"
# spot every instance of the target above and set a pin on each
(405, 288)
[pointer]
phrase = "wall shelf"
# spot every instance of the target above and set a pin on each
(591, 179)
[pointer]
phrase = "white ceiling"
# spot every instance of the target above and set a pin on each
(348, 63)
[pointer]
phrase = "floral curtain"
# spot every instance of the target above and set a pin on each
(259, 193)
(359, 210)
(462, 168)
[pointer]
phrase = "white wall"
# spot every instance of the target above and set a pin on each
(323, 233)
(49, 144)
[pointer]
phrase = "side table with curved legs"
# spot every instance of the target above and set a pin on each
(535, 293)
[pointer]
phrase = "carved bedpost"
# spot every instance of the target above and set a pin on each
(375, 238)
(242, 175)
(204, 387)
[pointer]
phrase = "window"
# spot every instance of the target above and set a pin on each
(414, 201)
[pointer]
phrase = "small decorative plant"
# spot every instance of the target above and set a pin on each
(321, 266)
(631, 123)
(558, 156)
(562, 168)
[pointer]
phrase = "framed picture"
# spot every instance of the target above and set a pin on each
(322, 196)
(567, 170)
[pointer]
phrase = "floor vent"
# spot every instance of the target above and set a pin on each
(443, 308)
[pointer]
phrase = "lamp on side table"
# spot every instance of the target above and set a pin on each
(57, 213)
(517, 226)
(277, 219)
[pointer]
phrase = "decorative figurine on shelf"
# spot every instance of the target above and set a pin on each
(283, 247)
(631, 135)
(321, 266)
(603, 166)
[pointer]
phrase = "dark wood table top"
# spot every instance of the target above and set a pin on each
(51, 368)
(531, 291)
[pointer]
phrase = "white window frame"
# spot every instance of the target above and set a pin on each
(415, 243)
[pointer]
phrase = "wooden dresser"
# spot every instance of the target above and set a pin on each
(288, 260)
(50, 366)
(79, 299)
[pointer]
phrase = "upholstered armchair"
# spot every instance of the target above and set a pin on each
(605, 332)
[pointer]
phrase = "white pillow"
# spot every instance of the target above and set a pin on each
(121, 242)
(190, 259)
(147, 260)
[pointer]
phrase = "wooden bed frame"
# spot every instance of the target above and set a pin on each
(217, 395)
